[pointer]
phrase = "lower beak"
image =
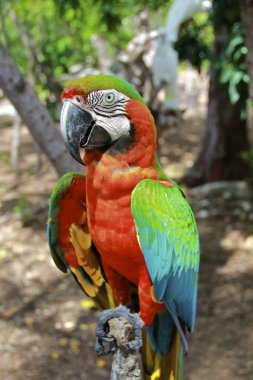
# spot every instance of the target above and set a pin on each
(80, 131)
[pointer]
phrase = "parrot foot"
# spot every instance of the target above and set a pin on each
(103, 331)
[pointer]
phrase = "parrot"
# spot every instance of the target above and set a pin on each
(123, 229)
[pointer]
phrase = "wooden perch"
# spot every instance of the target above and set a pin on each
(126, 362)
(125, 333)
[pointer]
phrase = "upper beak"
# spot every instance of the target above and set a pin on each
(74, 126)
(80, 131)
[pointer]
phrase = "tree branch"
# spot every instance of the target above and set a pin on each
(124, 338)
(34, 114)
(125, 364)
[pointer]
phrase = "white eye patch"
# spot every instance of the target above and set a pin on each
(108, 109)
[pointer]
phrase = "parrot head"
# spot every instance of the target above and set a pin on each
(100, 114)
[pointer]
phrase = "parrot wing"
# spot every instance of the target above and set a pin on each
(70, 242)
(168, 238)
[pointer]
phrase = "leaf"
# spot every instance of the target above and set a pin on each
(246, 78)
(237, 77)
(233, 93)
(234, 82)
(234, 42)
(226, 74)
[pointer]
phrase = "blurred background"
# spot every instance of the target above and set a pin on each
(192, 60)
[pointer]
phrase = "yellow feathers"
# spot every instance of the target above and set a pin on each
(99, 290)
(86, 258)
(166, 367)
(89, 289)
(152, 292)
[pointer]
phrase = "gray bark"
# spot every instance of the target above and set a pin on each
(122, 330)
(34, 114)
(126, 363)
(247, 18)
(15, 143)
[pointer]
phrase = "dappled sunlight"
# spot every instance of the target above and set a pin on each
(222, 367)
(241, 259)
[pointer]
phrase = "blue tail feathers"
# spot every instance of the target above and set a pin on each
(160, 332)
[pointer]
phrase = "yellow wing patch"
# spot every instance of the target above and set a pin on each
(89, 289)
(86, 258)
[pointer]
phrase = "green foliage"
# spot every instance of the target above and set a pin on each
(50, 37)
(232, 64)
(195, 41)
(47, 38)
(228, 64)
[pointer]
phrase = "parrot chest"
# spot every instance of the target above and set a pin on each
(111, 224)
(113, 232)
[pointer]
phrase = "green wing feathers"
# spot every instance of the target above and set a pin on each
(169, 241)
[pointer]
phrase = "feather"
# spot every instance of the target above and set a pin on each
(169, 242)
(70, 242)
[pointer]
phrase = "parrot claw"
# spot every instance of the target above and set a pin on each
(99, 345)
(103, 329)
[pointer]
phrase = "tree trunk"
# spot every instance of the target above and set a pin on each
(34, 114)
(225, 136)
(247, 18)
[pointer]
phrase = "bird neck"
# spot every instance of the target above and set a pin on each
(142, 152)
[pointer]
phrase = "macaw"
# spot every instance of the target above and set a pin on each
(125, 230)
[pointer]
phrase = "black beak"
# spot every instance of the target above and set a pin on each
(80, 131)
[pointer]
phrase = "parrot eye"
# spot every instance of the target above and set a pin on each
(109, 97)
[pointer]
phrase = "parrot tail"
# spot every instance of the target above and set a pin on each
(162, 351)
(168, 366)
